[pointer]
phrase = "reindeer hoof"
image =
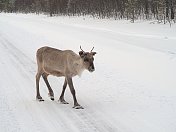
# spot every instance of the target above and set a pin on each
(63, 102)
(78, 107)
(51, 96)
(39, 99)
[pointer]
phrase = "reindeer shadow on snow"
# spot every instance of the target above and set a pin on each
(62, 63)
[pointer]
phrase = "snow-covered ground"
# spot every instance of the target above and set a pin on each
(132, 90)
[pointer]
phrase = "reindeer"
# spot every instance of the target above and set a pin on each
(62, 63)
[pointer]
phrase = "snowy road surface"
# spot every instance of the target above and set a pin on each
(132, 90)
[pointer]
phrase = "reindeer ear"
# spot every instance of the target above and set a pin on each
(93, 53)
(81, 53)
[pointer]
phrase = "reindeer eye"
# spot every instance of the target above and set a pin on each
(86, 60)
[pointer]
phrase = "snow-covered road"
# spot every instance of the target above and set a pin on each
(132, 90)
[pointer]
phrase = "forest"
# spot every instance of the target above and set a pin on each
(161, 10)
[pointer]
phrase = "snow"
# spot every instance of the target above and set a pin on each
(133, 88)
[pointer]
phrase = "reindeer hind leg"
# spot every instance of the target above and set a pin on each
(51, 93)
(38, 96)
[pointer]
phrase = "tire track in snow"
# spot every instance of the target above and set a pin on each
(84, 121)
(20, 97)
(8, 121)
(25, 67)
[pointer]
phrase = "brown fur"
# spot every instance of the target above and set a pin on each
(59, 63)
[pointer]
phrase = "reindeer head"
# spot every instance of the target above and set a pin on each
(88, 59)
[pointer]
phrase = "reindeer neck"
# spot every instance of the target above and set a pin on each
(80, 67)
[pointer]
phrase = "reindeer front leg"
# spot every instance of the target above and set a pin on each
(70, 83)
(61, 99)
